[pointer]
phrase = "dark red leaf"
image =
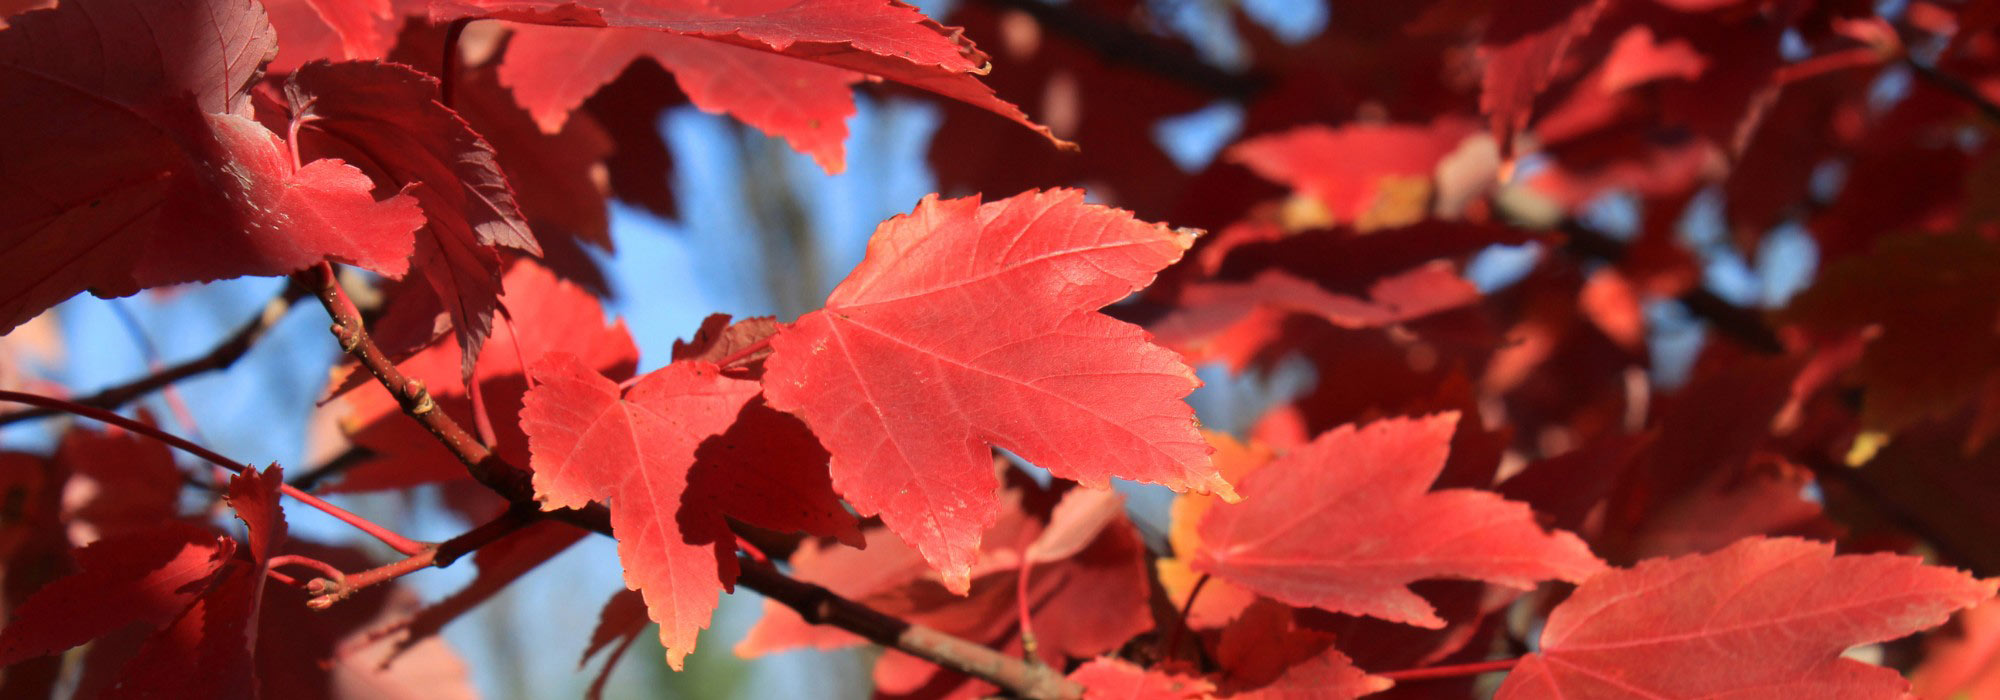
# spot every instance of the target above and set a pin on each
(1346, 523)
(386, 118)
(135, 169)
(148, 576)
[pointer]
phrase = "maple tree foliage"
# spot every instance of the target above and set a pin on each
(1559, 349)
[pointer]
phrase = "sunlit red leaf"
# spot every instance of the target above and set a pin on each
(1346, 523)
(1683, 627)
(633, 449)
(886, 384)
(803, 102)
(881, 38)
(1358, 170)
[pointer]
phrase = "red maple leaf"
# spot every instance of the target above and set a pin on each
(805, 103)
(179, 579)
(970, 325)
(386, 118)
(1523, 47)
(882, 38)
(1354, 170)
(148, 576)
(1347, 522)
(1763, 618)
(638, 450)
(146, 174)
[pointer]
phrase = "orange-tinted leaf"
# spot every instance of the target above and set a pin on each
(1211, 311)
(1688, 627)
(1348, 522)
(1640, 57)
(1110, 678)
(1220, 600)
(719, 340)
(1328, 676)
(1352, 169)
(970, 325)
(1965, 664)
(329, 29)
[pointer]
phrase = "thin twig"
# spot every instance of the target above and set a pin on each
(1118, 44)
(401, 544)
(1181, 625)
(1958, 88)
(221, 357)
(1454, 671)
(328, 591)
(354, 456)
(814, 603)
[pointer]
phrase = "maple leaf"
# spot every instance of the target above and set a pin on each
(135, 169)
(315, 29)
(639, 450)
(882, 38)
(1523, 47)
(1110, 678)
(147, 576)
(1210, 313)
(1683, 627)
(177, 578)
(803, 102)
(1360, 173)
(969, 325)
(1346, 523)
(387, 116)
(118, 483)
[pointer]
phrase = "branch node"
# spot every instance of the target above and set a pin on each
(349, 340)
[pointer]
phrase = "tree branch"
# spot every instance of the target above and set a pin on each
(1121, 45)
(812, 602)
(220, 357)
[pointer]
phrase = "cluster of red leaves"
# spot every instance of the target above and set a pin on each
(1468, 468)
(177, 608)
